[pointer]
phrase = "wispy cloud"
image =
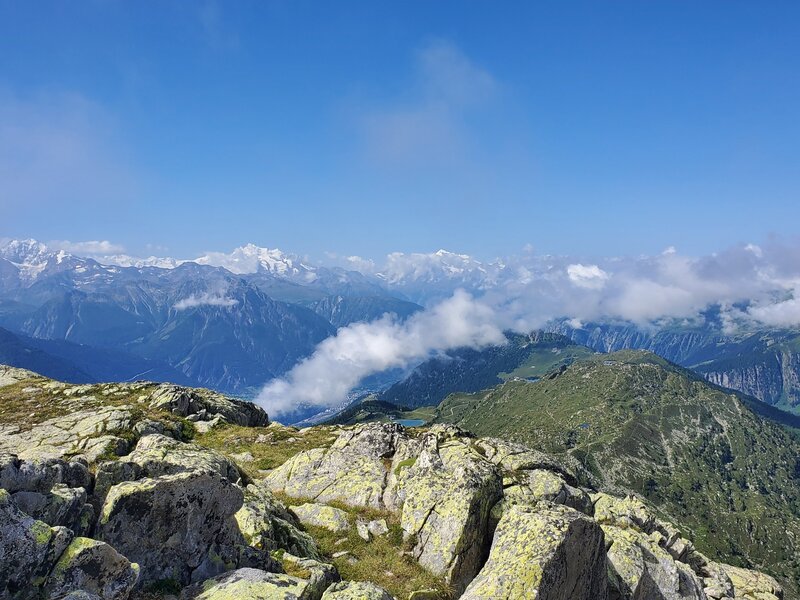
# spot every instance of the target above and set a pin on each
(205, 299)
(428, 125)
(87, 248)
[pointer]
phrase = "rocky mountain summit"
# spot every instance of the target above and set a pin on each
(149, 490)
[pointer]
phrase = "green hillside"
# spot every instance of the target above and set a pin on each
(642, 424)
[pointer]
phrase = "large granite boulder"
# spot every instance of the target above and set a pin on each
(352, 470)
(179, 527)
(530, 487)
(547, 553)
(446, 495)
(28, 549)
(752, 585)
(86, 433)
(267, 525)
(62, 505)
(91, 566)
(157, 455)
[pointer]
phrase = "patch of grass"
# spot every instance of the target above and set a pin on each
(270, 446)
(409, 462)
(384, 560)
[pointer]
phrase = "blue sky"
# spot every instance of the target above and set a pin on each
(596, 128)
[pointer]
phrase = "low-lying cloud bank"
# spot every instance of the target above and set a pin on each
(340, 362)
(752, 286)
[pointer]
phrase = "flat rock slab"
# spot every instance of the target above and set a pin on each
(322, 515)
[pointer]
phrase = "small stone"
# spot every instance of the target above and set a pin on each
(378, 527)
(363, 530)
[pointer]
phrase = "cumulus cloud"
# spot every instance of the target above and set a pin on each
(587, 276)
(87, 248)
(204, 299)
(340, 362)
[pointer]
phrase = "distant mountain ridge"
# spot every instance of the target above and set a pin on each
(762, 364)
(470, 370)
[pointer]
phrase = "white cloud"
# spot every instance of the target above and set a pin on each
(205, 299)
(785, 313)
(340, 362)
(587, 276)
(87, 248)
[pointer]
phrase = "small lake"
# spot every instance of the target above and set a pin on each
(410, 422)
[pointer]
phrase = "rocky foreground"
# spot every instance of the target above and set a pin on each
(145, 491)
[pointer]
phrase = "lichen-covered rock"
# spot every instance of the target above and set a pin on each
(62, 505)
(513, 457)
(446, 496)
(18, 475)
(320, 576)
(28, 548)
(177, 527)
(530, 487)
(547, 553)
(640, 568)
(89, 433)
(356, 590)
(350, 471)
(752, 585)
(95, 567)
(11, 375)
(267, 525)
(322, 515)
(157, 455)
(250, 584)
(631, 512)
(184, 402)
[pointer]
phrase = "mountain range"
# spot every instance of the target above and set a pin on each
(234, 321)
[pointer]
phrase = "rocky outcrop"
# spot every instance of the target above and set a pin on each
(85, 433)
(485, 518)
(205, 405)
(447, 495)
(62, 505)
(267, 525)
(530, 487)
(350, 471)
(552, 553)
(179, 527)
(753, 585)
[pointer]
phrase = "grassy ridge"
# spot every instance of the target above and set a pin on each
(641, 424)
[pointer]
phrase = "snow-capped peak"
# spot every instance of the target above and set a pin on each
(251, 259)
(24, 252)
